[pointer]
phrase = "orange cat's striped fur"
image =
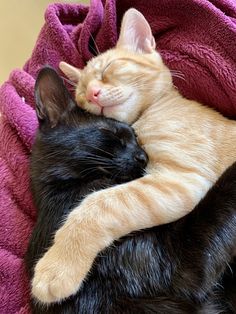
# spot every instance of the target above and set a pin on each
(189, 146)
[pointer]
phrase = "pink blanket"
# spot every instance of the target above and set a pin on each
(197, 37)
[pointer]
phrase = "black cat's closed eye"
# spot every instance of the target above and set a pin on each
(122, 135)
(111, 131)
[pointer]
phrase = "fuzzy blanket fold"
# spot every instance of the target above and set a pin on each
(196, 37)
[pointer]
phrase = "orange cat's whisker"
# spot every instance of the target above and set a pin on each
(96, 52)
(178, 76)
(147, 86)
(93, 50)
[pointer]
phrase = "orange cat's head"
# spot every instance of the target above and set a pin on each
(123, 81)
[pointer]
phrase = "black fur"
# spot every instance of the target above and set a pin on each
(181, 267)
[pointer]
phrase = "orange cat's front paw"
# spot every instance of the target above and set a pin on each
(54, 279)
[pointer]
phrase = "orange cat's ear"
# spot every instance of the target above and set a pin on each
(71, 72)
(135, 33)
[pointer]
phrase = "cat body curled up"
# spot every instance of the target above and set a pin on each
(189, 146)
(155, 270)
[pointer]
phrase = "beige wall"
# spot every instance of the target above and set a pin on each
(20, 22)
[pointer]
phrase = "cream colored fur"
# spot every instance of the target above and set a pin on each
(189, 146)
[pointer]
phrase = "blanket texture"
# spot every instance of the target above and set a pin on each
(196, 37)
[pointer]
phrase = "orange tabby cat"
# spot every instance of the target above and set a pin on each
(189, 146)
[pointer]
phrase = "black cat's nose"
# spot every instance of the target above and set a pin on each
(142, 158)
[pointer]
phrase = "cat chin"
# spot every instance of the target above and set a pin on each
(116, 112)
(119, 113)
(93, 108)
(122, 112)
(127, 112)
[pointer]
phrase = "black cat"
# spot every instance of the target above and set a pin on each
(176, 268)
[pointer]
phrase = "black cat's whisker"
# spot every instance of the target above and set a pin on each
(230, 268)
(97, 148)
(144, 171)
(50, 155)
(219, 286)
(96, 158)
(102, 168)
(89, 170)
(93, 155)
(100, 162)
(116, 175)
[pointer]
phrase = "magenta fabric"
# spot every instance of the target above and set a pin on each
(197, 37)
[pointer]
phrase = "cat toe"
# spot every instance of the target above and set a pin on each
(41, 290)
(53, 283)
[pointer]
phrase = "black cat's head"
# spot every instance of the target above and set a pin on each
(74, 144)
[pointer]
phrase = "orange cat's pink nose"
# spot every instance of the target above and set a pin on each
(92, 94)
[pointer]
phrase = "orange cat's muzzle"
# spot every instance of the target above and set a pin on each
(92, 94)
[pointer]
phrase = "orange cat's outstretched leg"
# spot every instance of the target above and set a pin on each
(105, 216)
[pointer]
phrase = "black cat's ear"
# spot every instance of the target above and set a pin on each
(51, 96)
